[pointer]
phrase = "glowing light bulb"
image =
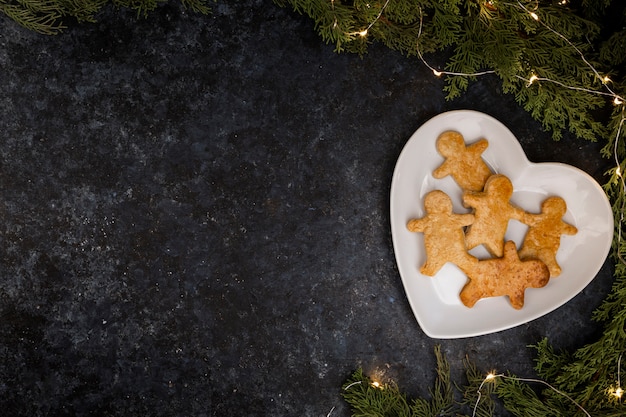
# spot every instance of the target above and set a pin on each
(534, 15)
(532, 79)
(618, 392)
(606, 79)
(363, 33)
(376, 384)
(437, 73)
(617, 101)
(490, 376)
(618, 172)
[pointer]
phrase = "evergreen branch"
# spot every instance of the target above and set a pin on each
(367, 399)
(48, 17)
(522, 401)
(142, 7)
(442, 396)
(478, 393)
(197, 6)
(45, 23)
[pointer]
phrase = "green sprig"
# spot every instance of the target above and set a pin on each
(368, 398)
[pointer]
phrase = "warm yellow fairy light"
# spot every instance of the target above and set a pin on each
(437, 73)
(617, 101)
(532, 79)
(606, 79)
(534, 15)
(363, 33)
(490, 376)
(618, 392)
(618, 171)
(376, 384)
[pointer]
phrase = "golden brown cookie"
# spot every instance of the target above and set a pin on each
(444, 236)
(463, 163)
(543, 238)
(492, 212)
(504, 276)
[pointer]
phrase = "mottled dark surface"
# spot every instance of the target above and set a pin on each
(195, 218)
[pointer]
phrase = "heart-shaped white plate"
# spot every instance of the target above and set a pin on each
(435, 300)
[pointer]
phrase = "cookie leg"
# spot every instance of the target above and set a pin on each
(431, 268)
(470, 294)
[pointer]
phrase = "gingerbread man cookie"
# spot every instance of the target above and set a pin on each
(492, 212)
(504, 276)
(444, 236)
(463, 163)
(543, 238)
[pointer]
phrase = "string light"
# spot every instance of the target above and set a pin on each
(618, 391)
(436, 72)
(575, 48)
(363, 33)
(374, 384)
(617, 100)
(332, 7)
(618, 173)
(351, 385)
(529, 81)
(491, 376)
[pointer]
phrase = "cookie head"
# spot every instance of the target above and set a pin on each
(499, 186)
(554, 206)
(450, 143)
(437, 202)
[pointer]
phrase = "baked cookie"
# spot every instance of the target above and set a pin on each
(508, 276)
(492, 212)
(444, 236)
(463, 163)
(543, 238)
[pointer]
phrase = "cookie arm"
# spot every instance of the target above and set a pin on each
(479, 146)
(522, 216)
(465, 219)
(470, 199)
(568, 229)
(442, 170)
(416, 225)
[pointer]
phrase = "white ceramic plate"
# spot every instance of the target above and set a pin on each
(435, 300)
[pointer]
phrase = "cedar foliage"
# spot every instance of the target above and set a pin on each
(50, 17)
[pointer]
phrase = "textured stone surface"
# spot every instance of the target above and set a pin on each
(195, 222)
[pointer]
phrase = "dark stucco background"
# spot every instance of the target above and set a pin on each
(194, 218)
